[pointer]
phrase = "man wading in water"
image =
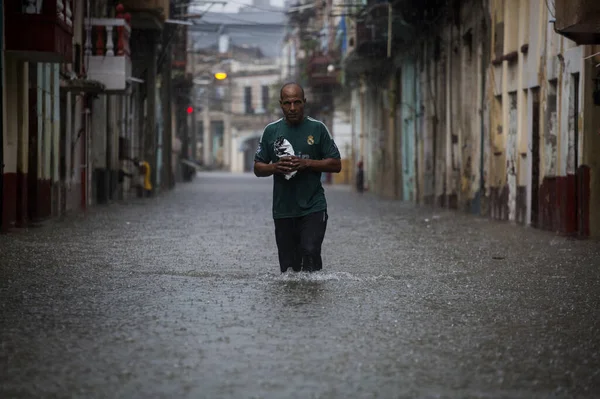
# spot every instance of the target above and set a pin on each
(296, 150)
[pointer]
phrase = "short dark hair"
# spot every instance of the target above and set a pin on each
(290, 84)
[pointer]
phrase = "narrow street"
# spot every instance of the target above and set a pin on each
(181, 296)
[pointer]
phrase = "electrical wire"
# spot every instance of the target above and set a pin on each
(246, 22)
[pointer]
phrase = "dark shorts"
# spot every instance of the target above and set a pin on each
(299, 241)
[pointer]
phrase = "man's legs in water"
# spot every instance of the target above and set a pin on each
(312, 229)
(286, 236)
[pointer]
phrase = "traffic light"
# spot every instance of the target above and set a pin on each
(190, 110)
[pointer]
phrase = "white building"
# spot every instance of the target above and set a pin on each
(232, 113)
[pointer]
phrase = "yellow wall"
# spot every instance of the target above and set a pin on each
(345, 176)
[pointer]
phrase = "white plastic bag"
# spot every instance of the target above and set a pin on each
(283, 148)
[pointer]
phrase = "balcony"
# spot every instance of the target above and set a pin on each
(578, 20)
(40, 31)
(318, 73)
(372, 31)
(147, 14)
(108, 53)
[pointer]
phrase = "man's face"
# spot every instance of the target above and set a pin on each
(292, 104)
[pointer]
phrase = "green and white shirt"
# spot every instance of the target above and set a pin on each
(302, 194)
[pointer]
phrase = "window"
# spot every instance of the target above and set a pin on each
(248, 100)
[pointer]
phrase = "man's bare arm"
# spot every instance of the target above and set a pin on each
(262, 169)
(328, 165)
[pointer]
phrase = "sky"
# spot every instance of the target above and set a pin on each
(234, 5)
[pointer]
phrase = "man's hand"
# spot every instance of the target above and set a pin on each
(299, 164)
(282, 167)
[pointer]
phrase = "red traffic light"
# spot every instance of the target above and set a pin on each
(190, 110)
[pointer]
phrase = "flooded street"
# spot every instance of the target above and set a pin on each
(181, 296)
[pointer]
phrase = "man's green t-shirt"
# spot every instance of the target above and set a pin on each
(302, 194)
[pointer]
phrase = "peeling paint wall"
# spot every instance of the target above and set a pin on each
(511, 155)
(376, 139)
(429, 117)
(537, 99)
(450, 126)
(493, 115)
(409, 108)
(591, 139)
(471, 39)
(551, 131)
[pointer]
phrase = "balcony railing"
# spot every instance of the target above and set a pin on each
(64, 10)
(107, 49)
(319, 73)
(40, 31)
(578, 20)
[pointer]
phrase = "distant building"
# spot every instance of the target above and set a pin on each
(230, 114)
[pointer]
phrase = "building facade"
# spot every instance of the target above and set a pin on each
(476, 105)
(80, 103)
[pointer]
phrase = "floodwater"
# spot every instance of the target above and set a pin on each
(181, 296)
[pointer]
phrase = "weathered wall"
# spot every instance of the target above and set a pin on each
(375, 140)
(537, 113)
(591, 140)
(423, 120)
(449, 111)
(499, 119)
(389, 167)
(409, 110)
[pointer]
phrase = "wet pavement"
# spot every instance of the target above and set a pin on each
(181, 296)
